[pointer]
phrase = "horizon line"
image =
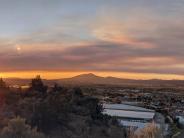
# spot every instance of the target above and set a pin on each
(51, 75)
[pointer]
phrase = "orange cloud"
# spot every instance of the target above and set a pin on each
(118, 37)
(116, 32)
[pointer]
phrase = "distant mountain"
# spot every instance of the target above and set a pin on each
(22, 82)
(94, 79)
(85, 78)
(91, 79)
(17, 81)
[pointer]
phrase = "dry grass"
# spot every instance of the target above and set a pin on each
(150, 131)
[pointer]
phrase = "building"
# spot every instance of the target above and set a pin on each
(130, 116)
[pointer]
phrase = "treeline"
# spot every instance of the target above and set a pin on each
(53, 112)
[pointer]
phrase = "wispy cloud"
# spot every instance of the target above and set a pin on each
(122, 36)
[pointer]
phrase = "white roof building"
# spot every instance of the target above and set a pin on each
(138, 115)
(130, 116)
(126, 107)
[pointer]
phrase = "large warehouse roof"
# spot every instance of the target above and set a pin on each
(130, 114)
(125, 107)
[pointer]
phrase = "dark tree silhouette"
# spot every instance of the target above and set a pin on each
(2, 83)
(37, 85)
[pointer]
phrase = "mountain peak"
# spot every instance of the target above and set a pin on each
(89, 75)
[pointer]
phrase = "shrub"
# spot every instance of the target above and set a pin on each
(17, 128)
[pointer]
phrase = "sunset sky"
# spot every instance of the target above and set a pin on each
(139, 39)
